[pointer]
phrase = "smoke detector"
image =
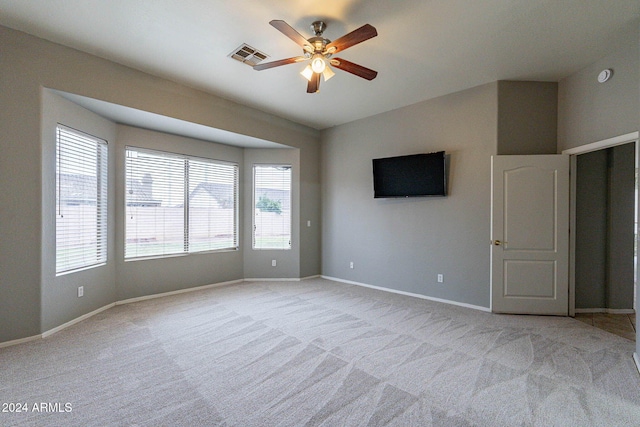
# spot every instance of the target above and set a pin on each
(605, 75)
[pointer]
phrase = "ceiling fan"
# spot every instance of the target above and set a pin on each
(319, 52)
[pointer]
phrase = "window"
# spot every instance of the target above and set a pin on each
(272, 207)
(177, 204)
(213, 189)
(81, 200)
(154, 204)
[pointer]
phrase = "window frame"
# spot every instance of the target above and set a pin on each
(186, 203)
(254, 201)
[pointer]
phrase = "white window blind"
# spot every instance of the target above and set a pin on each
(177, 204)
(272, 207)
(154, 223)
(213, 189)
(81, 200)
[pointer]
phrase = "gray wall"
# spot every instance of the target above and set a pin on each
(605, 199)
(60, 302)
(591, 229)
(620, 262)
(310, 211)
(403, 244)
(257, 262)
(527, 117)
(589, 111)
(152, 276)
(28, 64)
(20, 198)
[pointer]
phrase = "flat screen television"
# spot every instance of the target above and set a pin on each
(416, 175)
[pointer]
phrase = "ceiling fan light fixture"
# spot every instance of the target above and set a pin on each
(328, 73)
(318, 51)
(317, 63)
(307, 73)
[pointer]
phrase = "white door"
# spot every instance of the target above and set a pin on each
(530, 234)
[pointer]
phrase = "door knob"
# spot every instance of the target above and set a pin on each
(498, 242)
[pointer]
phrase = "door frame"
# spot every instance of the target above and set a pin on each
(573, 153)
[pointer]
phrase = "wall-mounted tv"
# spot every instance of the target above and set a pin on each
(416, 175)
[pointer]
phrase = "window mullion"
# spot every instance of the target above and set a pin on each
(186, 205)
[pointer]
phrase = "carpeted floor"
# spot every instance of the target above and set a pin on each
(315, 353)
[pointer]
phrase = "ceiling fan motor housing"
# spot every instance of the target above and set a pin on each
(318, 27)
(318, 42)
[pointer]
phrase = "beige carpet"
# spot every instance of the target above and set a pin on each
(319, 353)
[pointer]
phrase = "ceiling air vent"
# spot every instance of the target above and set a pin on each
(247, 54)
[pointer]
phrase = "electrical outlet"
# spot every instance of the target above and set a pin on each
(440, 278)
(308, 223)
(273, 263)
(351, 264)
(80, 291)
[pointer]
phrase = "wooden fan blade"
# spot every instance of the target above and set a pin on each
(314, 83)
(363, 33)
(278, 63)
(350, 67)
(288, 31)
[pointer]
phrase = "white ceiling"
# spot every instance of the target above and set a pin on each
(424, 48)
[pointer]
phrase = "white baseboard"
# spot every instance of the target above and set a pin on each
(20, 341)
(108, 306)
(215, 285)
(76, 320)
(410, 294)
(57, 328)
(281, 279)
(606, 310)
(179, 291)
